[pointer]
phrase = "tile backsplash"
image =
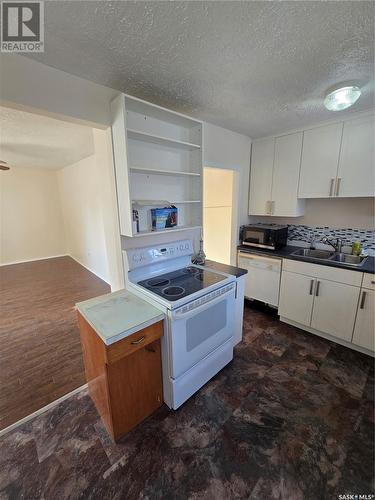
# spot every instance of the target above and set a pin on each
(347, 235)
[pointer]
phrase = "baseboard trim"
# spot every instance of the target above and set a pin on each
(33, 260)
(91, 270)
(41, 410)
(345, 343)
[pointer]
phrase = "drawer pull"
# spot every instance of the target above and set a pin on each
(372, 282)
(311, 286)
(363, 299)
(331, 187)
(317, 289)
(338, 186)
(134, 342)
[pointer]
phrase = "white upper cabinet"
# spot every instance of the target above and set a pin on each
(356, 170)
(320, 158)
(262, 154)
(275, 165)
(286, 169)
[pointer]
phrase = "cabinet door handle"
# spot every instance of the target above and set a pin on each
(338, 186)
(363, 299)
(311, 286)
(317, 288)
(272, 207)
(134, 342)
(331, 187)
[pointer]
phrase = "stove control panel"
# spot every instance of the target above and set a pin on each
(150, 255)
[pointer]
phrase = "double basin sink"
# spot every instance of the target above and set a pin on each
(340, 258)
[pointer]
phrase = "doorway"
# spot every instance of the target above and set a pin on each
(220, 214)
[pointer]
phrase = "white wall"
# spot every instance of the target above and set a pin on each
(88, 200)
(226, 149)
(31, 218)
(333, 212)
(79, 185)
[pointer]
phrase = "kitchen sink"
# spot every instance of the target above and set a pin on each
(354, 260)
(339, 258)
(314, 254)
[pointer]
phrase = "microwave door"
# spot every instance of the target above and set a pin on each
(254, 237)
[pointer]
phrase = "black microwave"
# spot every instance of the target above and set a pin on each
(270, 236)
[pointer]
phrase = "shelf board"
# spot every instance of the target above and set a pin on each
(162, 141)
(163, 231)
(151, 203)
(159, 171)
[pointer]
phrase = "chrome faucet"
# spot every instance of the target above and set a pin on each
(337, 245)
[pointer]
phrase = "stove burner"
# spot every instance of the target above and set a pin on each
(173, 291)
(158, 282)
(199, 277)
(193, 270)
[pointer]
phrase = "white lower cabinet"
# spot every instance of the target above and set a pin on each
(328, 300)
(335, 306)
(364, 331)
(296, 297)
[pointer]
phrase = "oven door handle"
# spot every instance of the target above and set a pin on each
(203, 307)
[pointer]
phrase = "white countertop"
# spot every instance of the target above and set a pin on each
(117, 315)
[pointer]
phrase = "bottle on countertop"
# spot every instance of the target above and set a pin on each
(356, 248)
(200, 257)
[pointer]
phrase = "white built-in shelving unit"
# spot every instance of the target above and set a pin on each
(158, 160)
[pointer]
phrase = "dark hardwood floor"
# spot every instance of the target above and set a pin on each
(40, 350)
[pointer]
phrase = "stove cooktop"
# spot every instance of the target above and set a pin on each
(181, 283)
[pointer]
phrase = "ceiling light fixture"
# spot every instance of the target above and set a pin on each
(342, 98)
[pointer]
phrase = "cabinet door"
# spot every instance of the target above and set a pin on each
(296, 297)
(320, 157)
(356, 167)
(286, 169)
(262, 153)
(364, 330)
(335, 307)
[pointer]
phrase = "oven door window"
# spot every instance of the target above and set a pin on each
(214, 321)
(199, 332)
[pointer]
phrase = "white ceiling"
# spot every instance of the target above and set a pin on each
(30, 140)
(253, 67)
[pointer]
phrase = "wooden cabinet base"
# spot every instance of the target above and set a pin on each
(124, 379)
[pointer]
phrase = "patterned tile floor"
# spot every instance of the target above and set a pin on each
(292, 417)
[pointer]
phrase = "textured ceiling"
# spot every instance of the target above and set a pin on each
(253, 67)
(29, 140)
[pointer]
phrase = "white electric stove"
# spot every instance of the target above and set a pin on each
(199, 305)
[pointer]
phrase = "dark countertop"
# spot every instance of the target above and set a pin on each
(285, 253)
(224, 268)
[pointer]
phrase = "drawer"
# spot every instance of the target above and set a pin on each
(134, 342)
(368, 281)
(323, 272)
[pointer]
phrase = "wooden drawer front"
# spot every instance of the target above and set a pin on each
(323, 272)
(369, 281)
(130, 344)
